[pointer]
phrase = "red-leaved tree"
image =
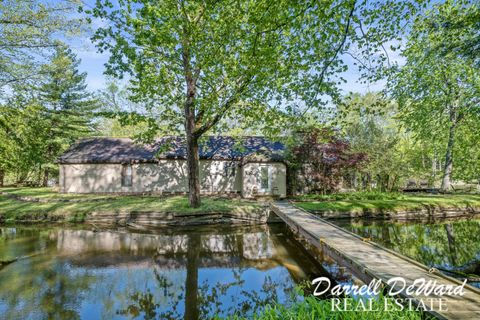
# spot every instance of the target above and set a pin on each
(319, 160)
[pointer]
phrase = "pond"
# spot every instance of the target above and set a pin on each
(73, 272)
(452, 246)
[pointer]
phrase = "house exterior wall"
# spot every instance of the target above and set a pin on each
(164, 176)
(252, 179)
(90, 178)
(169, 176)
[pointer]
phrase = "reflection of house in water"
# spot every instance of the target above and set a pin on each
(242, 248)
(257, 248)
(216, 249)
(188, 274)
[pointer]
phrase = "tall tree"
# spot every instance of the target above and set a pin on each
(7, 146)
(436, 91)
(199, 59)
(28, 33)
(370, 125)
(22, 138)
(68, 105)
(202, 61)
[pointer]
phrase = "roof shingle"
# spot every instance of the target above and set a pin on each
(124, 150)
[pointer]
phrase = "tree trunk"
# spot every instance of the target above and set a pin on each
(451, 243)
(433, 175)
(448, 167)
(40, 175)
(45, 177)
(193, 172)
(2, 177)
(191, 282)
(193, 167)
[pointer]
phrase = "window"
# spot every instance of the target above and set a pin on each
(264, 178)
(126, 175)
(229, 170)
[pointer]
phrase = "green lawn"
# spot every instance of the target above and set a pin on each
(312, 308)
(376, 202)
(49, 193)
(12, 209)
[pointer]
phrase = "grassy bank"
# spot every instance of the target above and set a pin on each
(312, 308)
(385, 202)
(58, 207)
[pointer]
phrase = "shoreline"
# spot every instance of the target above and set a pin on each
(40, 205)
(263, 215)
(145, 219)
(429, 214)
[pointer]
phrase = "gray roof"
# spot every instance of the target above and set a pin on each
(124, 150)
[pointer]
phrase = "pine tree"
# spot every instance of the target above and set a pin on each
(68, 105)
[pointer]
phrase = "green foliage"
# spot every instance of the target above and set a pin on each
(39, 81)
(161, 43)
(38, 124)
(240, 60)
(369, 123)
(459, 24)
(467, 151)
(68, 105)
(29, 29)
(312, 308)
(437, 93)
(22, 137)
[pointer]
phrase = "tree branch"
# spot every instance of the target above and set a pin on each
(336, 52)
(223, 110)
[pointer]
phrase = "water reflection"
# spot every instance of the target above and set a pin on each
(451, 246)
(169, 274)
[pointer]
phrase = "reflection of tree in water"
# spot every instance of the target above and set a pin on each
(144, 303)
(453, 245)
(40, 284)
(206, 299)
(100, 274)
(210, 297)
(54, 291)
(211, 300)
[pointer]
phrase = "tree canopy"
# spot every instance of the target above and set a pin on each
(29, 30)
(437, 92)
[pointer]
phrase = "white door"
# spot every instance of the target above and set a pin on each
(265, 179)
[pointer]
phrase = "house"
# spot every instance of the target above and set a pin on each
(249, 166)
